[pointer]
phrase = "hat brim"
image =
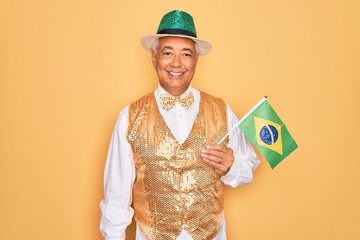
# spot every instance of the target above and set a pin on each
(148, 40)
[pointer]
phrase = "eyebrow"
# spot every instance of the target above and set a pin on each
(171, 48)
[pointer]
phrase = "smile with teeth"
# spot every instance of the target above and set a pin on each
(175, 73)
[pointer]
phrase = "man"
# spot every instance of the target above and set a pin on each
(164, 157)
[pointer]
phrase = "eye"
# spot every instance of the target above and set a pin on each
(187, 55)
(167, 53)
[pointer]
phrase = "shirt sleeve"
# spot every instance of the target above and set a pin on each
(119, 175)
(246, 160)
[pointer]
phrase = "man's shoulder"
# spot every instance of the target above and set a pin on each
(142, 101)
(143, 98)
(146, 96)
(210, 97)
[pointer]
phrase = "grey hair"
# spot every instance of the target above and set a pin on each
(155, 47)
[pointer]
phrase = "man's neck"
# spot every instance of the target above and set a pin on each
(174, 93)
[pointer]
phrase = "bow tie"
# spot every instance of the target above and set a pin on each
(168, 101)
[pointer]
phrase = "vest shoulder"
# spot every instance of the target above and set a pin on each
(142, 101)
(212, 98)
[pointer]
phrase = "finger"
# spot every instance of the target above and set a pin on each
(212, 157)
(216, 164)
(221, 170)
(213, 148)
(218, 156)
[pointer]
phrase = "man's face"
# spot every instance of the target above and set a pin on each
(175, 63)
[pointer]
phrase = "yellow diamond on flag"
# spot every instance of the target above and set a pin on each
(268, 134)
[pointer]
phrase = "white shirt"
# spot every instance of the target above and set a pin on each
(119, 172)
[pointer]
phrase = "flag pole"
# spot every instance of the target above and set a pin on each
(242, 119)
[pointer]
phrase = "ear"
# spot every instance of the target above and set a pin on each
(153, 59)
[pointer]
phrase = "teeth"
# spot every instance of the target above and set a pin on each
(175, 73)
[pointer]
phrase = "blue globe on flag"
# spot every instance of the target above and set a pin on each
(269, 134)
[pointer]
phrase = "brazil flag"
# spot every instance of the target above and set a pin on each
(263, 127)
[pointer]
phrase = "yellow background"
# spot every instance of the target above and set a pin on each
(68, 67)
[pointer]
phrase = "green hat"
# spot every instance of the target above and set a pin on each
(179, 24)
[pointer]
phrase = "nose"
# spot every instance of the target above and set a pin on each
(176, 61)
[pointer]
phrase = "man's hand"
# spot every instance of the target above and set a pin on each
(218, 156)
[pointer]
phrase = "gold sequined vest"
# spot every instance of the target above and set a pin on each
(174, 188)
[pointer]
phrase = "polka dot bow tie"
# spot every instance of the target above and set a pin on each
(168, 101)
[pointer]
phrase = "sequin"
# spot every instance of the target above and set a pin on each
(174, 189)
(177, 20)
(168, 101)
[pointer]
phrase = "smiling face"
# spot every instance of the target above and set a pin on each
(175, 62)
